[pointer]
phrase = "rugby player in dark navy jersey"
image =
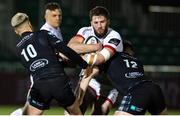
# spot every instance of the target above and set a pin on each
(37, 51)
(140, 94)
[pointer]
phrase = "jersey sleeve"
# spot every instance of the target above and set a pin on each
(63, 48)
(113, 41)
(83, 32)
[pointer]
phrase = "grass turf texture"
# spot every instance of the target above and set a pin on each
(6, 110)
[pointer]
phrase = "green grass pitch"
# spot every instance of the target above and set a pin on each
(6, 110)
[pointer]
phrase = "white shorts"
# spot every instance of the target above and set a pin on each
(96, 86)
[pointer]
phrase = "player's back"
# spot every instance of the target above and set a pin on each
(125, 71)
(38, 54)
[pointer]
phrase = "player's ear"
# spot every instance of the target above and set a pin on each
(29, 23)
(46, 14)
(16, 31)
(91, 22)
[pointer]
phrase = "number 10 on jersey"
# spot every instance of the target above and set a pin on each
(29, 52)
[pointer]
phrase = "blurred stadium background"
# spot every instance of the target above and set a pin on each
(153, 26)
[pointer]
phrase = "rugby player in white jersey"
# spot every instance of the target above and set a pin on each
(110, 42)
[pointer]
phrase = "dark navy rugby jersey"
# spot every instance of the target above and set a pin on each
(37, 52)
(125, 71)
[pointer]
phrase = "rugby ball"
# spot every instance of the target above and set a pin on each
(90, 57)
(91, 40)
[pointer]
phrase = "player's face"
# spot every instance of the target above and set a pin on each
(100, 24)
(53, 17)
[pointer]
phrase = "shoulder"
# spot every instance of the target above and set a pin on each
(113, 33)
(45, 33)
(42, 32)
(85, 30)
(45, 27)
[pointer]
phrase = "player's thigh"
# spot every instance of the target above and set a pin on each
(62, 91)
(39, 95)
(136, 101)
(157, 103)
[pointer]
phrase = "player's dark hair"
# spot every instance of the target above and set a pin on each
(52, 6)
(128, 44)
(99, 10)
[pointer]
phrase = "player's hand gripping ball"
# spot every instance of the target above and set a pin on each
(90, 58)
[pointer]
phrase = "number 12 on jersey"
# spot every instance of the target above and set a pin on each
(29, 52)
(130, 64)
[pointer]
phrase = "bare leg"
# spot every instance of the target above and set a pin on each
(31, 110)
(74, 109)
(84, 84)
(106, 106)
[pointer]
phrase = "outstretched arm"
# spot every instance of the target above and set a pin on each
(71, 54)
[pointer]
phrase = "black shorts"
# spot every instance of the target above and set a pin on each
(44, 90)
(144, 97)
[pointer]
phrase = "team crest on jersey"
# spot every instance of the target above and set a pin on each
(114, 41)
(91, 40)
(38, 64)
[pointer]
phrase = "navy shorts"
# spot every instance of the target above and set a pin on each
(144, 97)
(44, 90)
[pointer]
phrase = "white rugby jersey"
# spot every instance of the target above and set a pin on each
(111, 40)
(56, 32)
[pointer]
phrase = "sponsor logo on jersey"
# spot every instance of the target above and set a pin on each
(38, 64)
(135, 108)
(114, 41)
(133, 75)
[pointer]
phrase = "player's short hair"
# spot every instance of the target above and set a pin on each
(128, 44)
(18, 19)
(99, 10)
(52, 6)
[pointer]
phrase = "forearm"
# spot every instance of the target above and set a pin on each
(71, 54)
(94, 58)
(99, 57)
(83, 48)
